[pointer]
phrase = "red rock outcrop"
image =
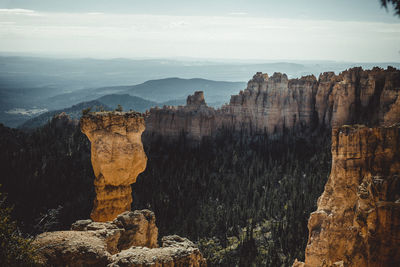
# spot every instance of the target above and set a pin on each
(277, 104)
(129, 240)
(117, 158)
(357, 222)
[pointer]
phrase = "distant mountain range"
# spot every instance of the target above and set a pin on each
(75, 112)
(159, 91)
(30, 86)
(107, 102)
(163, 90)
(22, 105)
(128, 102)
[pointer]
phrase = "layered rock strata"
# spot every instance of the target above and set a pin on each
(195, 119)
(117, 158)
(357, 222)
(277, 104)
(129, 240)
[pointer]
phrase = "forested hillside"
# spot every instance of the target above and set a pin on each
(226, 187)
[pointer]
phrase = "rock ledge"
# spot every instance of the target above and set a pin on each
(129, 240)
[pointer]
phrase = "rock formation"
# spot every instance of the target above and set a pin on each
(195, 119)
(277, 104)
(117, 158)
(357, 222)
(272, 104)
(129, 240)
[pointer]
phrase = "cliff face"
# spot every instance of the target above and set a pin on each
(357, 222)
(277, 104)
(195, 119)
(129, 240)
(117, 158)
(368, 97)
(271, 104)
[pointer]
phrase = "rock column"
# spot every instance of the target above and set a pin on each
(117, 157)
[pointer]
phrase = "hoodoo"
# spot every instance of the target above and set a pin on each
(116, 236)
(357, 222)
(117, 158)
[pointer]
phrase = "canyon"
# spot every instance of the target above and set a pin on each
(357, 222)
(276, 105)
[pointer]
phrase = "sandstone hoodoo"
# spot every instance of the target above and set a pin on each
(357, 222)
(130, 238)
(117, 158)
(277, 104)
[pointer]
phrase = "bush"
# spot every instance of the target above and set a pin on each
(86, 111)
(119, 108)
(15, 250)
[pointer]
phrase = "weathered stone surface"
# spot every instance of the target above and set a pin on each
(277, 104)
(359, 96)
(72, 248)
(175, 252)
(130, 240)
(357, 222)
(196, 101)
(271, 104)
(140, 229)
(195, 119)
(117, 158)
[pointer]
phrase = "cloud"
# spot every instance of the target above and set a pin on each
(238, 13)
(178, 24)
(95, 13)
(132, 35)
(17, 11)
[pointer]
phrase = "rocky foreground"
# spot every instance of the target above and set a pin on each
(357, 222)
(129, 240)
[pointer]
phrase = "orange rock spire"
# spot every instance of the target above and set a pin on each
(117, 157)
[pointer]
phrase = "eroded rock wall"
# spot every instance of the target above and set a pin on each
(357, 222)
(271, 104)
(117, 158)
(277, 104)
(195, 119)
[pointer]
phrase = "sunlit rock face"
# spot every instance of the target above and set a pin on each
(277, 105)
(271, 104)
(369, 97)
(117, 157)
(357, 222)
(129, 240)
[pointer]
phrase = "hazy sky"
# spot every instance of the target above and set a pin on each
(342, 30)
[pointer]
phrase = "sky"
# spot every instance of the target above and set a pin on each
(340, 30)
